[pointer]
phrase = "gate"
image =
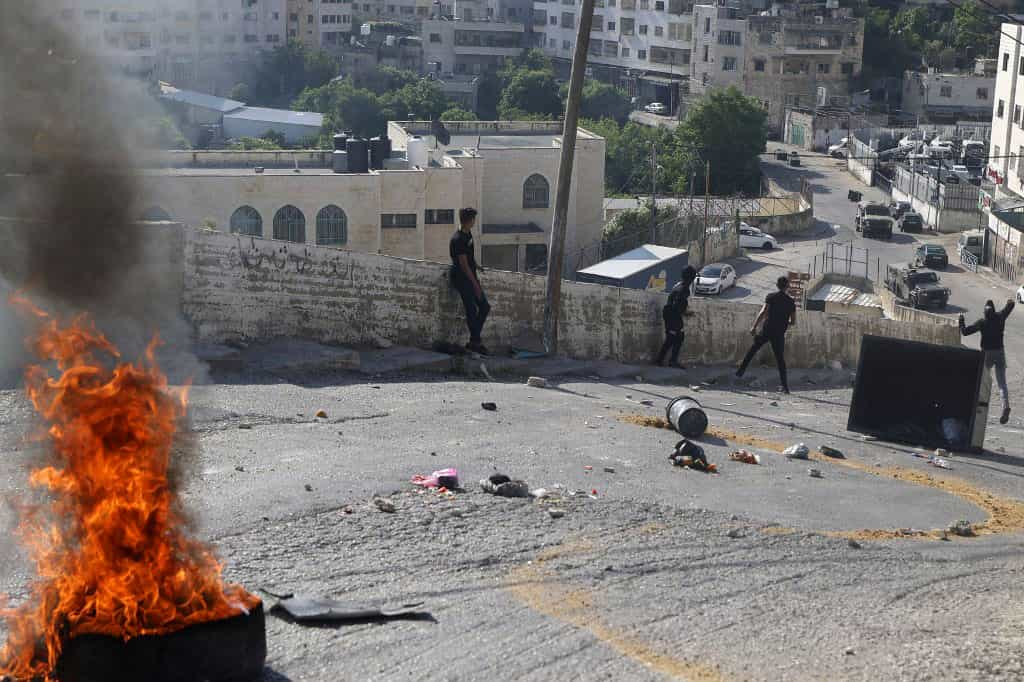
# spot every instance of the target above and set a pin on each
(969, 260)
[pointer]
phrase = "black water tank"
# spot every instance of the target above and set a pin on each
(340, 140)
(358, 155)
(377, 153)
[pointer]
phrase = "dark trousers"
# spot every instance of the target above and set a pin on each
(778, 342)
(673, 342)
(476, 309)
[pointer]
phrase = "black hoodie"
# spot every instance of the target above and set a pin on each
(991, 326)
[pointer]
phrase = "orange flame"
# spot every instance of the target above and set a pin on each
(110, 548)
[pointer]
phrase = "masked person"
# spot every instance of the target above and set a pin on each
(672, 314)
(991, 326)
(778, 314)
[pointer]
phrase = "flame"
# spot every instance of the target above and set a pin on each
(111, 550)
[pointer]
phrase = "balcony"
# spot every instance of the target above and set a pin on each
(494, 51)
(808, 49)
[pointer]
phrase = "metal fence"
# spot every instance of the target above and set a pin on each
(843, 258)
(959, 196)
(969, 260)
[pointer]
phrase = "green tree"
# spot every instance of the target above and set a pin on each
(458, 114)
(632, 228)
(422, 99)
(974, 27)
(385, 79)
(601, 100)
(287, 71)
(253, 143)
(488, 96)
(728, 130)
(530, 92)
(345, 107)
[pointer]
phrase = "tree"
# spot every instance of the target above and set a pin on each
(253, 143)
(728, 130)
(345, 107)
(275, 137)
(287, 71)
(458, 114)
(974, 28)
(239, 93)
(632, 228)
(385, 79)
(531, 92)
(601, 100)
(422, 99)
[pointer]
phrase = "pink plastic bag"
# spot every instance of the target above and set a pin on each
(448, 478)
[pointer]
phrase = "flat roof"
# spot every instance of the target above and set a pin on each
(282, 116)
(199, 99)
(247, 170)
(838, 293)
(632, 262)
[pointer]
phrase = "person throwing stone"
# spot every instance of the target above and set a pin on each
(778, 313)
(991, 326)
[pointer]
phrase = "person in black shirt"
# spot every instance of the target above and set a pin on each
(778, 313)
(672, 314)
(464, 279)
(991, 327)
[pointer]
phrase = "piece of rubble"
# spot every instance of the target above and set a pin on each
(798, 451)
(745, 456)
(609, 470)
(537, 382)
(503, 486)
(831, 452)
(309, 488)
(245, 426)
(736, 533)
(962, 528)
(240, 468)
(853, 544)
(321, 414)
(814, 473)
(556, 513)
(490, 407)
(384, 504)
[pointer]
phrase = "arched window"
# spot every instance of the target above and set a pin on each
(535, 192)
(154, 214)
(246, 220)
(331, 226)
(290, 224)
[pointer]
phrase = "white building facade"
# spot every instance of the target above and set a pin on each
(1002, 202)
(935, 96)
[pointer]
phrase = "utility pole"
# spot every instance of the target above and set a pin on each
(654, 193)
(556, 250)
(707, 208)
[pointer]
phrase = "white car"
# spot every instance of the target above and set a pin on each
(656, 108)
(753, 238)
(838, 150)
(1020, 294)
(714, 279)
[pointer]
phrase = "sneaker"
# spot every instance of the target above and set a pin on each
(1005, 416)
(478, 348)
(739, 373)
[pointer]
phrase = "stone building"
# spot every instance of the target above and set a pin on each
(506, 170)
(935, 96)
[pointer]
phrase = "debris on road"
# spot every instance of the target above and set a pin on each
(556, 513)
(384, 504)
(309, 488)
(831, 452)
(321, 414)
(745, 456)
(245, 426)
(691, 456)
(443, 478)
(939, 462)
(814, 473)
(537, 382)
(962, 528)
(774, 403)
(735, 533)
(240, 468)
(939, 452)
(302, 608)
(503, 486)
(609, 470)
(490, 407)
(853, 544)
(798, 451)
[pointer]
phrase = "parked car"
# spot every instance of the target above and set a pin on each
(839, 149)
(974, 242)
(656, 108)
(931, 256)
(1020, 294)
(898, 208)
(911, 222)
(714, 279)
(919, 288)
(794, 159)
(753, 238)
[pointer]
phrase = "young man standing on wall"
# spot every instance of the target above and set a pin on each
(991, 327)
(672, 314)
(464, 279)
(778, 313)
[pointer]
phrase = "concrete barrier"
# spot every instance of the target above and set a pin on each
(242, 287)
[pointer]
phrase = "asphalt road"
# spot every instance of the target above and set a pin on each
(663, 574)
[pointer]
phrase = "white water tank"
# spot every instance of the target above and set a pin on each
(416, 152)
(389, 41)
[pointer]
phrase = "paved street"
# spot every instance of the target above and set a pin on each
(663, 573)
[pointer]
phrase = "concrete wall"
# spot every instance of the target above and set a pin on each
(861, 161)
(938, 219)
(239, 287)
(895, 311)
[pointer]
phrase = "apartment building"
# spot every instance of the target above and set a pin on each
(643, 46)
(936, 96)
(201, 44)
(719, 43)
(470, 46)
(801, 57)
(1002, 202)
(320, 23)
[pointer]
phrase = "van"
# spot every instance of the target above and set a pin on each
(972, 242)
